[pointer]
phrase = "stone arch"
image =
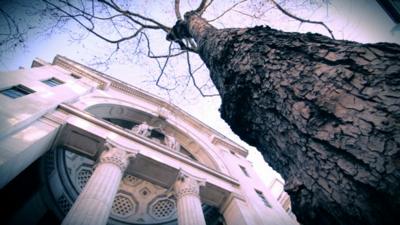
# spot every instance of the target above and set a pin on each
(115, 109)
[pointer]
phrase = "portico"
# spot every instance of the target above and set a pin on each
(143, 158)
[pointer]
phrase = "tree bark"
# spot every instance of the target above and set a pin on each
(324, 113)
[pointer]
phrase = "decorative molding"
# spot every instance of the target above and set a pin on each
(57, 117)
(106, 81)
(80, 70)
(158, 147)
(216, 140)
(39, 62)
(113, 144)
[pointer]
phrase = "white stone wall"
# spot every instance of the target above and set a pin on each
(20, 112)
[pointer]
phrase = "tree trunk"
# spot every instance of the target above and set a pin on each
(325, 114)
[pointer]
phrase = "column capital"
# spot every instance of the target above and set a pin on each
(116, 156)
(186, 184)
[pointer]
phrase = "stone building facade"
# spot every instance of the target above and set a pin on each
(80, 147)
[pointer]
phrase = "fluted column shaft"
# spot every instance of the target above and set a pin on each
(93, 206)
(189, 207)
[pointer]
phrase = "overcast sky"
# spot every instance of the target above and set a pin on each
(357, 20)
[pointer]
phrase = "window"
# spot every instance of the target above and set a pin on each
(244, 171)
(262, 197)
(52, 82)
(17, 91)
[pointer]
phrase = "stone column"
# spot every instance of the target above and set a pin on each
(93, 206)
(189, 207)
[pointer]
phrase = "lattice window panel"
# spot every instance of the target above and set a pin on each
(122, 206)
(130, 180)
(64, 204)
(83, 177)
(163, 208)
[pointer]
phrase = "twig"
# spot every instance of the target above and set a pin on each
(165, 65)
(92, 27)
(302, 20)
(226, 11)
(194, 80)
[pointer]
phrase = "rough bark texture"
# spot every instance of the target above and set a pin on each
(325, 114)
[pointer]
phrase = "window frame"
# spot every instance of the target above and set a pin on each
(16, 91)
(53, 82)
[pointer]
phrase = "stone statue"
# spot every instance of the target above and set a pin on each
(171, 142)
(142, 129)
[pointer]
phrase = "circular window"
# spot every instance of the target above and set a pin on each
(122, 206)
(163, 208)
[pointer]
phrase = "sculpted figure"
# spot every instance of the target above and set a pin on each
(142, 129)
(171, 142)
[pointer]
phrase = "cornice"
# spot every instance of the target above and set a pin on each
(80, 71)
(216, 140)
(39, 62)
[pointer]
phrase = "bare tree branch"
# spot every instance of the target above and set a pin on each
(12, 33)
(301, 19)
(226, 11)
(191, 74)
(157, 25)
(91, 28)
(249, 15)
(163, 68)
(150, 54)
(116, 22)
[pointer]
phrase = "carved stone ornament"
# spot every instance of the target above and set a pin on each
(187, 185)
(116, 156)
(142, 129)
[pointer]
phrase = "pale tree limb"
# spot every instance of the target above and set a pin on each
(192, 43)
(205, 7)
(177, 10)
(201, 7)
